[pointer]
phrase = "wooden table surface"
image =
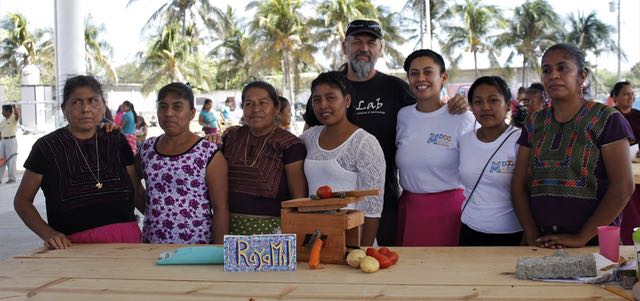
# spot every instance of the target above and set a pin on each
(128, 272)
(635, 166)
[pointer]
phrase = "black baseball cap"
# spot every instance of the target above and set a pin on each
(364, 26)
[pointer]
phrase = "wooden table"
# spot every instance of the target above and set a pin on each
(128, 272)
(635, 167)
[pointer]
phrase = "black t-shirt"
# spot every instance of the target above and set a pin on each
(377, 102)
(73, 202)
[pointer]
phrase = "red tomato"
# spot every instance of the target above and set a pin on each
(324, 192)
(382, 260)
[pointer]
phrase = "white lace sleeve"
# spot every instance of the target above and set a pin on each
(371, 174)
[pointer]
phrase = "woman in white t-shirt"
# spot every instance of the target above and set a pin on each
(427, 157)
(487, 160)
(342, 155)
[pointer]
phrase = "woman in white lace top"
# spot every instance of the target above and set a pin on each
(342, 155)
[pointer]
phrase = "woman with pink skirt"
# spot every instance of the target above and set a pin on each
(428, 157)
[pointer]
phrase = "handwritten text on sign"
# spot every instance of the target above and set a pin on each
(259, 253)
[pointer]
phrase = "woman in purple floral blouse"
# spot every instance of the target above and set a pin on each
(186, 177)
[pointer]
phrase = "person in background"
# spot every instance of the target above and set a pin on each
(342, 155)
(128, 125)
(229, 106)
(266, 164)
(185, 175)
(141, 131)
(521, 92)
(428, 157)
(623, 98)
(229, 113)
(207, 118)
(487, 160)
(534, 98)
(119, 113)
(9, 142)
(87, 175)
(108, 117)
(518, 110)
(573, 171)
(284, 118)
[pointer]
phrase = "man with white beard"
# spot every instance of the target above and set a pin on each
(377, 98)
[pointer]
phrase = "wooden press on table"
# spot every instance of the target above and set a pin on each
(340, 227)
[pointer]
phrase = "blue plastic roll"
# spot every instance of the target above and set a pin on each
(193, 255)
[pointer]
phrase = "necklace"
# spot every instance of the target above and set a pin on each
(246, 146)
(98, 184)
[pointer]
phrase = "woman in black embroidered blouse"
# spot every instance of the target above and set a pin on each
(87, 176)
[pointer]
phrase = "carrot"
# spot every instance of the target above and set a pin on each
(314, 257)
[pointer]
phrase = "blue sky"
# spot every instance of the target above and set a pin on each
(123, 23)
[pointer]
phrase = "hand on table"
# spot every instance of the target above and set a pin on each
(56, 240)
(530, 239)
(559, 241)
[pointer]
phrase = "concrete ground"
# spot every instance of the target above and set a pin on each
(15, 237)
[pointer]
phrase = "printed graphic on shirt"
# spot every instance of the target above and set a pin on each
(439, 139)
(364, 107)
(506, 166)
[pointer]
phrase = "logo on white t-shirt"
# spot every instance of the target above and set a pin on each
(506, 166)
(439, 139)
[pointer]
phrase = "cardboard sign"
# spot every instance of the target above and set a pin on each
(260, 253)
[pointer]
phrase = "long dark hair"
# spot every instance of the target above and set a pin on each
(436, 57)
(271, 91)
(79, 81)
(206, 101)
(495, 81)
(337, 80)
(181, 90)
(618, 87)
(133, 110)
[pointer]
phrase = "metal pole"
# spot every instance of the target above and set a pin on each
(427, 17)
(619, 46)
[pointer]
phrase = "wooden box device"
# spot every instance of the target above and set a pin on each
(340, 227)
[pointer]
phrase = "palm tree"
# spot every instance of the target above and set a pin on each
(18, 48)
(233, 54)
(98, 51)
(278, 27)
(185, 12)
(391, 34)
(591, 35)
(303, 60)
(46, 55)
(418, 8)
(477, 21)
(174, 57)
(331, 24)
(534, 28)
(129, 73)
